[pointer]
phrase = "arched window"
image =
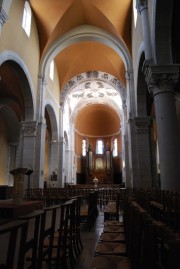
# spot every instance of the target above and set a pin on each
(26, 22)
(84, 147)
(115, 147)
(99, 146)
(51, 70)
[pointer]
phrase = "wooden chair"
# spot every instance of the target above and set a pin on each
(62, 248)
(88, 212)
(76, 225)
(30, 250)
(47, 230)
(111, 261)
(111, 210)
(13, 230)
(168, 246)
(112, 237)
(111, 248)
(113, 229)
(113, 223)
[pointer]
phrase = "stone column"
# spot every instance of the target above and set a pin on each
(143, 151)
(161, 81)
(142, 7)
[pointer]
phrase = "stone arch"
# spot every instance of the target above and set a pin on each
(53, 120)
(94, 75)
(16, 110)
(85, 33)
(51, 147)
(13, 61)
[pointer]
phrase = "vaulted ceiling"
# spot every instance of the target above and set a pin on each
(57, 17)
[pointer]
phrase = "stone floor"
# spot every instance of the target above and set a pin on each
(89, 240)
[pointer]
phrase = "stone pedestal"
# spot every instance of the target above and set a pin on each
(18, 184)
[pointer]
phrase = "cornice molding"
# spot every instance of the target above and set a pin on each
(141, 5)
(95, 136)
(93, 75)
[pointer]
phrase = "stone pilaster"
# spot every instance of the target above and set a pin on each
(54, 159)
(42, 83)
(143, 152)
(153, 149)
(68, 165)
(61, 172)
(130, 102)
(132, 154)
(27, 145)
(38, 174)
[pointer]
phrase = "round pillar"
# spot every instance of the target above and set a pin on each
(161, 81)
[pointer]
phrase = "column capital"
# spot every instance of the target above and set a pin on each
(141, 5)
(129, 75)
(29, 127)
(161, 78)
(43, 80)
(124, 105)
(3, 16)
(62, 140)
(142, 124)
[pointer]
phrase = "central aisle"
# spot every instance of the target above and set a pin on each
(89, 240)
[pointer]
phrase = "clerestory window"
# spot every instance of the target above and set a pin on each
(26, 22)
